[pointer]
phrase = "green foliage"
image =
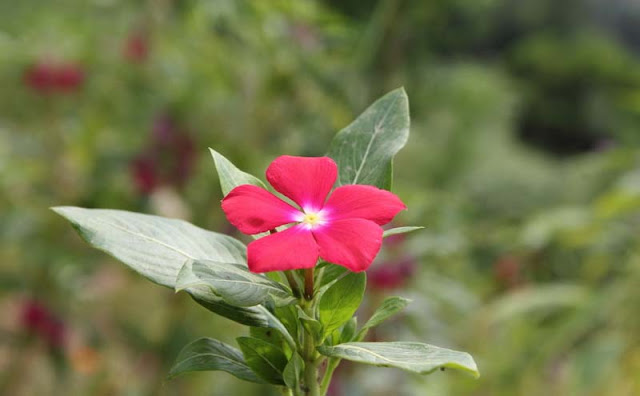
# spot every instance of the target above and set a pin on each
(364, 150)
(264, 358)
(338, 304)
(235, 284)
(206, 354)
(410, 356)
(230, 176)
(389, 307)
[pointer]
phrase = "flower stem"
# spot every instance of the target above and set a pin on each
(328, 374)
(292, 283)
(310, 355)
(308, 284)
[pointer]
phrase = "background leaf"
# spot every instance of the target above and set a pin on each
(364, 150)
(264, 358)
(207, 354)
(410, 356)
(341, 300)
(230, 176)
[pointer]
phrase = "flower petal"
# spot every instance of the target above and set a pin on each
(307, 181)
(292, 248)
(352, 243)
(254, 210)
(364, 202)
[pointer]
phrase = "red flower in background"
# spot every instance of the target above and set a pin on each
(51, 77)
(39, 320)
(137, 47)
(392, 274)
(343, 229)
(168, 158)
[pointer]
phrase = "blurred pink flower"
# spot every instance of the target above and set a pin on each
(391, 274)
(168, 158)
(136, 47)
(51, 77)
(37, 319)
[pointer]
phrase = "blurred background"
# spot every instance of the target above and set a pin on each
(523, 164)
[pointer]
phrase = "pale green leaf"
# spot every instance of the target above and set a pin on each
(410, 356)
(389, 307)
(235, 284)
(364, 150)
(230, 176)
(206, 354)
(400, 230)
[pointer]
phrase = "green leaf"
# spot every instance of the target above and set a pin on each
(389, 307)
(230, 176)
(292, 370)
(235, 284)
(157, 248)
(206, 354)
(267, 334)
(364, 150)
(399, 230)
(312, 326)
(265, 359)
(153, 246)
(349, 330)
(249, 316)
(341, 300)
(410, 356)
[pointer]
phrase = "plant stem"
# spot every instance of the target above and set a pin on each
(292, 283)
(310, 367)
(326, 380)
(308, 284)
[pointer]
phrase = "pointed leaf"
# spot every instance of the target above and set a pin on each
(206, 354)
(292, 371)
(249, 316)
(265, 359)
(364, 150)
(410, 356)
(399, 230)
(341, 300)
(153, 246)
(389, 307)
(157, 248)
(236, 285)
(230, 176)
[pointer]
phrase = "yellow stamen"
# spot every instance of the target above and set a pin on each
(311, 218)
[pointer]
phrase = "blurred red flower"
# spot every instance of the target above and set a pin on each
(38, 320)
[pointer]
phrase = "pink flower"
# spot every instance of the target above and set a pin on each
(343, 229)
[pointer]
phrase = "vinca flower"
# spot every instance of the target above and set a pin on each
(342, 227)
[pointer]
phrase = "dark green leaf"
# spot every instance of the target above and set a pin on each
(364, 150)
(349, 330)
(389, 307)
(265, 359)
(267, 334)
(234, 284)
(206, 354)
(249, 316)
(410, 356)
(341, 300)
(230, 176)
(311, 325)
